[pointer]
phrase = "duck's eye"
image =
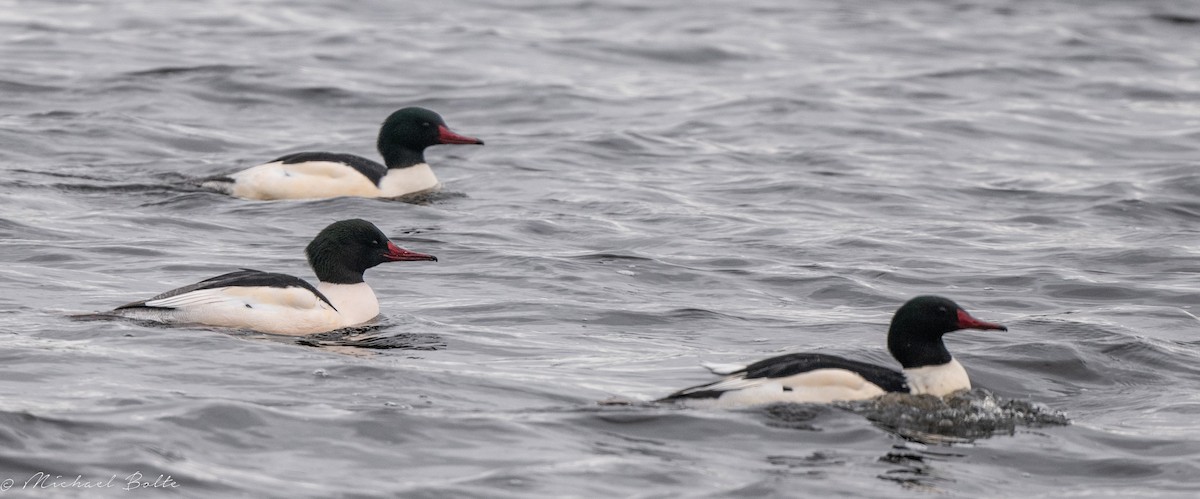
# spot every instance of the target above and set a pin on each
(375, 242)
(943, 310)
(425, 124)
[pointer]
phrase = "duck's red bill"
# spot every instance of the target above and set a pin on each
(965, 321)
(398, 254)
(448, 137)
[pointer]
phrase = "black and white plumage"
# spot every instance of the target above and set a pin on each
(914, 339)
(307, 175)
(240, 278)
(283, 304)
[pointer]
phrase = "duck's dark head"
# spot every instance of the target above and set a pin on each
(407, 132)
(344, 250)
(915, 336)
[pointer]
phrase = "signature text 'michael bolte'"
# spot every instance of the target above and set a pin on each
(132, 481)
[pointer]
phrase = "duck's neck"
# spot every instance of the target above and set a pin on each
(396, 156)
(355, 302)
(912, 351)
(401, 181)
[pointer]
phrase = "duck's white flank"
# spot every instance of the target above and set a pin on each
(940, 380)
(823, 386)
(292, 311)
(816, 386)
(307, 180)
(355, 302)
(325, 179)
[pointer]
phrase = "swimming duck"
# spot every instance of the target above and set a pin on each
(307, 175)
(914, 339)
(282, 304)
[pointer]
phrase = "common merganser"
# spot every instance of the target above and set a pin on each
(307, 175)
(282, 304)
(914, 339)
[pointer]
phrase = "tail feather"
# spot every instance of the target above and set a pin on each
(695, 392)
(734, 379)
(222, 184)
(712, 390)
(723, 369)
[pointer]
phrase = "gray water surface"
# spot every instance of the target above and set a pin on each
(664, 184)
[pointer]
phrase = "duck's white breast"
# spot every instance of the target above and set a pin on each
(355, 302)
(409, 180)
(939, 380)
